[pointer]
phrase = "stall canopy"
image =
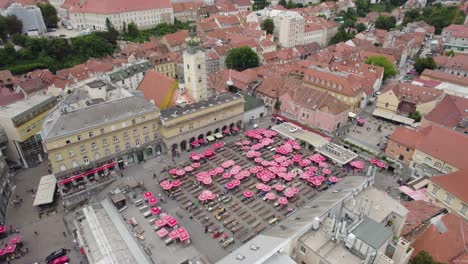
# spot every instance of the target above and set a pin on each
(210, 138)
(218, 135)
(45, 190)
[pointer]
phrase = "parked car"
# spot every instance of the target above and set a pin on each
(56, 254)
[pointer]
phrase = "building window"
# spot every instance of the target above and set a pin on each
(127, 145)
(107, 152)
(71, 153)
(58, 157)
(386, 104)
(85, 160)
(407, 149)
(115, 139)
(137, 143)
(448, 199)
(302, 249)
(67, 142)
(125, 134)
(199, 67)
(155, 126)
(438, 165)
(143, 118)
(435, 189)
(104, 142)
(133, 122)
(91, 134)
(190, 126)
(83, 149)
(188, 66)
(463, 209)
(94, 145)
(135, 132)
(117, 149)
(102, 131)
(181, 130)
(145, 130)
(78, 137)
(147, 139)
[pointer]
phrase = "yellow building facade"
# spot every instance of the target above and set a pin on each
(166, 67)
(419, 157)
(446, 199)
(125, 131)
(182, 125)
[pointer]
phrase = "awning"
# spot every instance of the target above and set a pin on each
(383, 114)
(210, 138)
(45, 190)
(79, 176)
(403, 119)
(394, 117)
(351, 114)
(218, 135)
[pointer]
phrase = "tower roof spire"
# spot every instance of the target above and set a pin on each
(193, 41)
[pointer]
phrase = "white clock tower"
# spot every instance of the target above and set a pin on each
(194, 67)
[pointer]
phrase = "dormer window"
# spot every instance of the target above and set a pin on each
(340, 87)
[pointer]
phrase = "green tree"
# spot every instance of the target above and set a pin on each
(424, 63)
(389, 68)
(291, 4)
(268, 25)
(277, 105)
(283, 3)
(113, 33)
(49, 14)
(259, 4)
(340, 36)
(3, 34)
(423, 258)
(13, 25)
(132, 30)
(450, 53)
(415, 115)
(385, 22)
(361, 27)
(241, 59)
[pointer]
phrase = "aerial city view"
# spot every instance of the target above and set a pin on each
(234, 131)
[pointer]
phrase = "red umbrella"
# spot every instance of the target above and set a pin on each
(320, 178)
(333, 179)
(180, 172)
(183, 235)
(2, 252)
(326, 171)
(239, 176)
(323, 164)
(167, 187)
(153, 201)
(203, 197)
(266, 188)
(172, 222)
(236, 182)
(173, 171)
(173, 234)
(270, 196)
(219, 170)
(155, 210)
(227, 175)
(162, 232)
(279, 187)
(265, 178)
(195, 165)
(15, 240)
(380, 164)
(207, 181)
(230, 185)
(289, 193)
(148, 195)
(176, 183)
(259, 186)
(188, 168)
(294, 190)
(283, 200)
(10, 248)
(160, 222)
(248, 194)
(211, 196)
(374, 161)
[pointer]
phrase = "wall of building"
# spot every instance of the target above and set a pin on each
(420, 157)
(101, 144)
(30, 16)
(399, 152)
(388, 102)
(5, 188)
(353, 101)
(254, 114)
(425, 108)
(195, 75)
(443, 198)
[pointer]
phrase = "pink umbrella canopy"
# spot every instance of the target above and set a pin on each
(219, 170)
(258, 160)
(162, 232)
(207, 181)
(279, 187)
(236, 182)
(167, 187)
(173, 171)
(333, 179)
(2, 252)
(323, 164)
(374, 161)
(266, 188)
(172, 222)
(188, 168)
(153, 201)
(283, 200)
(265, 178)
(270, 196)
(380, 164)
(248, 194)
(195, 165)
(326, 171)
(227, 175)
(203, 197)
(175, 183)
(15, 240)
(183, 234)
(294, 190)
(160, 222)
(289, 193)
(259, 186)
(2, 228)
(173, 234)
(239, 176)
(320, 178)
(304, 162)
(148, 195)
(155, 210)
(304, 176)
(10, 248)
(230, 185)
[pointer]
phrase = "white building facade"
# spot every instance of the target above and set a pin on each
(93, 14)
(30, 16)
(195, 68)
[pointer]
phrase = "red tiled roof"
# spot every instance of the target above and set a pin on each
(418, 213)
(32, 85)
(449, 112)
(177, 38)
(444, 246)
(414, 93)
(457, 62)
(340, 83)
(445, 77)
(455, 183)
(406, 136)
(313, 100)
(8, 96)
(157, 87)
(186, 6)
(119, 6)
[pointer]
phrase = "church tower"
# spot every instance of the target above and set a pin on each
(194, 67)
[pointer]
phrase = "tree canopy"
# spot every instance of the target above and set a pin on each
(424, 63)
(49, 14)
(157, 31)
(268, 25)
(242, 58)
(385, 22)
(259, 4)
(9, 25)
(341, 35)
(283, 3)
(132, 30)
(423, 258)
(438, 15)
(389, 67)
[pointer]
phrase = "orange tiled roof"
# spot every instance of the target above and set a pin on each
(449, 112)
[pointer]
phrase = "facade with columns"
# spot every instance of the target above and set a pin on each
(182, 125)
(195, 68)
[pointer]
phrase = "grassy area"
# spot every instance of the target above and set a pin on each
(158, 31)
